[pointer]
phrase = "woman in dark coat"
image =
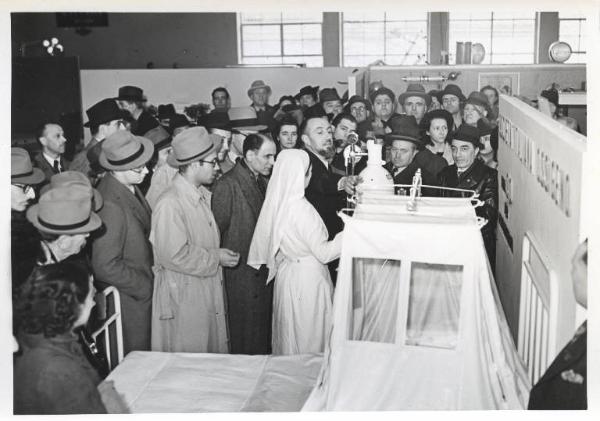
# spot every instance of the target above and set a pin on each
(52, 376)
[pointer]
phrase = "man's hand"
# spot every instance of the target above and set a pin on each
(228, 258)
(349, 183)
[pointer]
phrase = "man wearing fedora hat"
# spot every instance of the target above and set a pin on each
(405, 143)
(243, 121)
(105, 118)
(50, 159)
(307, 97)
(331, 102)
(259, 92)
(472, 174)
(24, 237)
(188, 303)
(415, 101)
(219, 124)
(221, 100)
(122, 254)
(132, 99)
(452, 100)
(165, 112)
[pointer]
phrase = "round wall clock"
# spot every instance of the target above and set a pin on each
(559, 51)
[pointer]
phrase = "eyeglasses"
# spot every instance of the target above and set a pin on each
(213, 162)
(25, 187)
(139, 170)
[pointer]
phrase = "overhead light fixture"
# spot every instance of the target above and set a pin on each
(53, 47)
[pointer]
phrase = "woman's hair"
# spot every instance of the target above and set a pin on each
(49, 300)
(491, 88)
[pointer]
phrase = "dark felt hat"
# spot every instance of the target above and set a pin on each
(131, 93)
(431, 115)
(415, 89)
(22, 170)
(467, 133)
(382, 91)
(102, 112)
(307, 90)
(329, 94)
(314, 111)
(178, 120)
(451, 89)
(357, 98)
(166, 111)
(480, 99)
(65, 210)
(160, 137)
(404, 127)
(215, 121)
(74, 178)
(258, 84)
(123, 151)
(144, 125)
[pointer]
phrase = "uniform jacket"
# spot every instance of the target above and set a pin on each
(122, 256)
(40, 162)
(236, 203)
(188, 304)
(564, 384)
(52, 376)
(322, 192)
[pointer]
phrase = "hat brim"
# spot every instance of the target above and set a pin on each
(405, 95)
(173, 162)
(138, 162)
(267, 87)
(258, 128)
(390, 137)
(36, 177)
(33, 216)
(131, 98)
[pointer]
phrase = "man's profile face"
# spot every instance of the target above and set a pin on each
(260, 97)
(415, 106)
(318, 137)
(53, 139)
(220, 100)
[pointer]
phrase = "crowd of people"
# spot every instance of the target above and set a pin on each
(221, 234)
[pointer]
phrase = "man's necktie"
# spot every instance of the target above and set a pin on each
(56, 166)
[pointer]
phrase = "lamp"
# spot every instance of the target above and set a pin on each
(52, 46)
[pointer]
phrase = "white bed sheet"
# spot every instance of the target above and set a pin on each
(151, 382)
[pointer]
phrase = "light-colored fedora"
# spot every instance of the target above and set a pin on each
(191, 145)
(21, 169)
(123, 151)
(74, 178)
(65, 210)
(258, 84)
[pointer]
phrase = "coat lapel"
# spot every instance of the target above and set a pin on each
(140, 209)
(250, 189)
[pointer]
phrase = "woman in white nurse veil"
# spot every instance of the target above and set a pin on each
(291, 239)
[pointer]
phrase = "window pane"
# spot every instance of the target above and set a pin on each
(261, 40)
(302, 39)
(261, 17)
(434, 305)
(375, 289)
(302, 17)
(363, 17)
(363, 38)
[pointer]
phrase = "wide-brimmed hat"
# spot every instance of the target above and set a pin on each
(415, 89)
(307, 90)
(191, 145)
(21, 169)
(382, 91)
(451, 89)
(357, 98)
(404, 127)
(244, 118)
(467, 133)
(131, 93)
(102, 112)
(65, 210)
(166, 111)
(123, 151)
(478, 98)
(160, 137)
(74, 178)
(218, 120)
(432, 115)
(329, 94)
(258, 84)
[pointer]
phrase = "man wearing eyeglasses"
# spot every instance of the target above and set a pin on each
(122, 254)
(188, 312)
(104, 120)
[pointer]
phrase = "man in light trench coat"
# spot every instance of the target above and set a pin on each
(188, 313)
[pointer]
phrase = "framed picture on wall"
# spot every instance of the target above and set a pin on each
(506, 82)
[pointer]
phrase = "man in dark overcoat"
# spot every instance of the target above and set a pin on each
(236, 202)
(122, 255)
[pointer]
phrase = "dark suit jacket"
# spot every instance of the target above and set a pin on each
(564, 384)
(40, 162)
(122, 256)
(323, 194)
(427, 160)
(144, 123)
(236, 203)
(406, 177)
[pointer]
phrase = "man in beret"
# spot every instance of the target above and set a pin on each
(470, 173)
(132, 99)
(415, 101)
(452, 100)
(188, 312)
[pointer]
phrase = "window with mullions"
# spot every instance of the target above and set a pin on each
(281, 38)
(508, 38)
(395, 38)
(572, 31)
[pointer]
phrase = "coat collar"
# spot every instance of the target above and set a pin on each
(65, 342)
(190, 192)
(121, 194)
(248, 183)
